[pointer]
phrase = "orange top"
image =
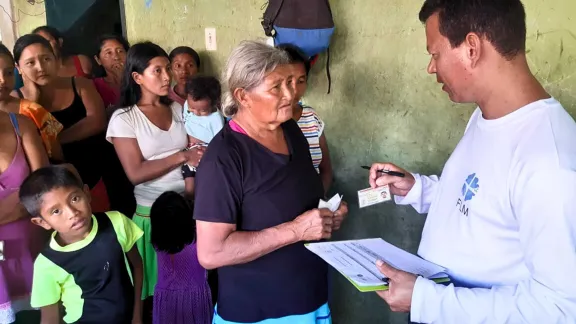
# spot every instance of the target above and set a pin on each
(48, 125)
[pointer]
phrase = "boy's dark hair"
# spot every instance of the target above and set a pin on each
(201, 87)
(296, 55)
(501, 22)
(5, 51)
(185, 50)
(42, 181)
(173, 227)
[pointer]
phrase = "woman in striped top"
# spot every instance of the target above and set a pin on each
(308, 120)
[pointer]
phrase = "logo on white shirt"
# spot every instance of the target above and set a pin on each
(469, 191)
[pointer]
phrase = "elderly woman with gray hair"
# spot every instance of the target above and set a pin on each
(257, 205)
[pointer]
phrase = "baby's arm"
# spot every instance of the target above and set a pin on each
(136, 261)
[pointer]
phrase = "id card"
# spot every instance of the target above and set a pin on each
(1, 250)
(369, 196)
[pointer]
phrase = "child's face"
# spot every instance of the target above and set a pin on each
(199, 107)
(66, 210)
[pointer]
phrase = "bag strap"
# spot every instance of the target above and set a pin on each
(328, 69)
(15, 124)
(329, 9)
(268, 22)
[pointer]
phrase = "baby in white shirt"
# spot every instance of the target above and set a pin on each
(202, 118)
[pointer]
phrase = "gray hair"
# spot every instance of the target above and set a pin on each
(246, 68)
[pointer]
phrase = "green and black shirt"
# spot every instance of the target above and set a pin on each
(91, 277)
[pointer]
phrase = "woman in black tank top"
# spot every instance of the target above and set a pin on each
(74, 102)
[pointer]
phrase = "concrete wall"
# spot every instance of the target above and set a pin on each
(383, 105)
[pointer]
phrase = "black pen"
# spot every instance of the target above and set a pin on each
(388, 172)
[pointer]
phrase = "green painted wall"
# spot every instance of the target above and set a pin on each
(383, 105)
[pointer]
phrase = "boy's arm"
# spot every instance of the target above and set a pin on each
(136, 261)
(189, 182)
(50, 314)
(128, 233)
(46, 289)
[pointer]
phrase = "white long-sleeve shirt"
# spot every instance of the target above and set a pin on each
(502, 220)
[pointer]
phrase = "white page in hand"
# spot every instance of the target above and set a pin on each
(333, 204)
(357, 260)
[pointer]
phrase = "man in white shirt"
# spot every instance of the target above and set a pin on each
(502, 216)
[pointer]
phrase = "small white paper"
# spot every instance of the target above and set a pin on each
(1, 250)
(333, 204)
(369, 196)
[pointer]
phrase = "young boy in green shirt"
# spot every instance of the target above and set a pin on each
(84, 266)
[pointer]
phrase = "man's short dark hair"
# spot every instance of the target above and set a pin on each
(501, 22)
(201, 87)
(42, 181)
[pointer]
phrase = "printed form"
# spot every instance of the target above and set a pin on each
(356, 260)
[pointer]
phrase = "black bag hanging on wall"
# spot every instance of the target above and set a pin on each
(307, 24)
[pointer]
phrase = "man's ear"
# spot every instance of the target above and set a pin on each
(86, 190)
(18, 68)
(474, 48)
(41, 222)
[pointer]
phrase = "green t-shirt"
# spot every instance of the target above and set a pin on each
(91, 277)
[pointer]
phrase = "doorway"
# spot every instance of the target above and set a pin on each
(82, 22)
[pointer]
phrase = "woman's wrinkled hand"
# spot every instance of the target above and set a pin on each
(314, 225)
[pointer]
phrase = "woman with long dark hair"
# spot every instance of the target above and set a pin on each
(149, 137)
(74, 102)
(47, 125)
(111, 56)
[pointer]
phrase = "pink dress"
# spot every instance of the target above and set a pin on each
(22, 242)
